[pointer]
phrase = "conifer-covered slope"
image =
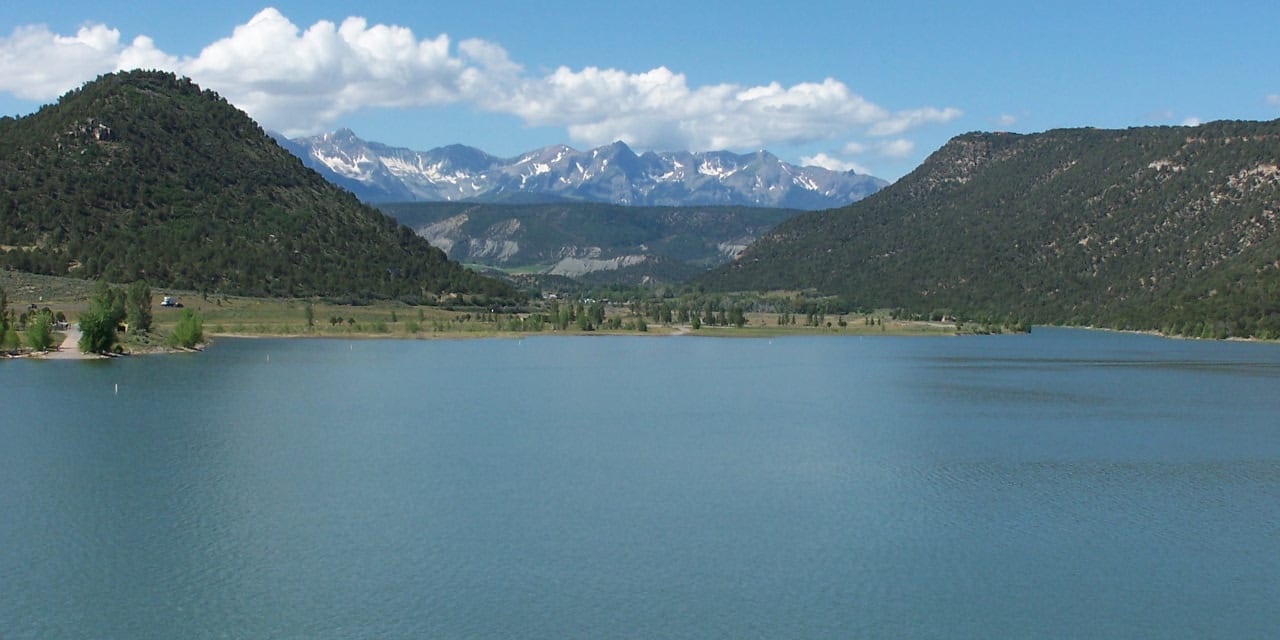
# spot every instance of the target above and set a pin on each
(144, 175)
(1168, 228)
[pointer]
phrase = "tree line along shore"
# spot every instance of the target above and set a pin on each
(133, 319)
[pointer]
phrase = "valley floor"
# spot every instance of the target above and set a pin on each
(229, 316)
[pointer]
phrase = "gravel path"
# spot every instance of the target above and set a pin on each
(70, 348)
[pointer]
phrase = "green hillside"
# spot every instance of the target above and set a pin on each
(1169, 228)
(597, 242)
(144, 175)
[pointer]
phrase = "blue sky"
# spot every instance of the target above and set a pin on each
(870, 86)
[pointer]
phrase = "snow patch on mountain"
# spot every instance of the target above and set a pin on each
(611, 174)
(345, 166)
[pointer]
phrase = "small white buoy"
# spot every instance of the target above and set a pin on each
(117, 388)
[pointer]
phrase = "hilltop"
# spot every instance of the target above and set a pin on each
(144, 175)
(1166, 228)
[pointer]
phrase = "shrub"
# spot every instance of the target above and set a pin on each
(189, 331)
(98, 331)
(40, 332)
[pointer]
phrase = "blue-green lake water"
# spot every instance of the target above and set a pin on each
(1063, 484)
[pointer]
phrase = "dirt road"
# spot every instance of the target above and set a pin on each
(70, 348)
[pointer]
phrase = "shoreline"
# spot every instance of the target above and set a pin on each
(68, 349)
(662, 332)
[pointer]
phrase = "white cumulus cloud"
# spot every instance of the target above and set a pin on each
(303, 80)
(853, 148)
(1274, 99)
(835, 164)
(902, 121)
(658, 109)
(899, 148)
(838, 160)
(37, 64)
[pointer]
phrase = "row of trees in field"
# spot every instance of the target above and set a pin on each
(110, 310)
(37, 327)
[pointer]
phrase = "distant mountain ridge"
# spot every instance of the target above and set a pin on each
(611, 174)
(589, 240)
(1168, 228)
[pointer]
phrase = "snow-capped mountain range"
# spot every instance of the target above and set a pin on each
(612, 174)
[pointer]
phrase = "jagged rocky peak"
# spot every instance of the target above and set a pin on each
(620, 148)
(613, 173)
(340, 135)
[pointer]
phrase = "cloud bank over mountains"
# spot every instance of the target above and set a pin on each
(302, 81)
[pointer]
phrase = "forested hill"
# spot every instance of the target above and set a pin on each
(144, 175)
(1169, 228)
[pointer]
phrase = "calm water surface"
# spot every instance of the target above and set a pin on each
(1063, 484)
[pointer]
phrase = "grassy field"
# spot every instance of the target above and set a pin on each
(25, 288)
(236, 316)
(520, 270)
(765, 326)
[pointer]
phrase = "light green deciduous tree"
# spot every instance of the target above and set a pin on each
(40, 331)
(189, 331)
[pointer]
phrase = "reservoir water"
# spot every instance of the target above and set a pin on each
(1066, 484)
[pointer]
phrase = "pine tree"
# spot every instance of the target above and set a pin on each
(97, 324)
(138, 307)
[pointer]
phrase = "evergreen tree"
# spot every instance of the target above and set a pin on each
(4, 311)
(98, 323)
(595, 313)
(40, 331)
(138, 307)
(9, 341)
